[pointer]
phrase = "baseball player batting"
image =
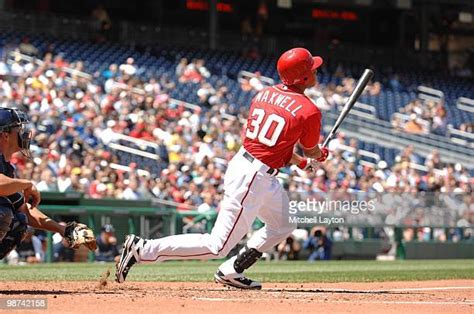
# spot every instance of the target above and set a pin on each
(280, 116)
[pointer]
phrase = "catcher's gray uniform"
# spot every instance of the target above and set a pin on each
(13, 224)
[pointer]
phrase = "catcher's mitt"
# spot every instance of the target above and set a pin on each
(77, 234)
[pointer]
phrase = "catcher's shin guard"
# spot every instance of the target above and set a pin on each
(246, 258)
(16, 234)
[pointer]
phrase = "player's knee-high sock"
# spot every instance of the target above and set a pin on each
(242, 261)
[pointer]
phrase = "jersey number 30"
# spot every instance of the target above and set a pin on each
(254, 131)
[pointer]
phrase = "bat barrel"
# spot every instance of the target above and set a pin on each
(361, 84)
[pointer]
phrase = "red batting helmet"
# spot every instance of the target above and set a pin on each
(297, 65)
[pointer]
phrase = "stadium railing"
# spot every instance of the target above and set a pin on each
(382, 133)
(127, 216)
(16, 56)
(466, 104)
(460, 137)
(364, 110)
(267, 81)
(429, 94)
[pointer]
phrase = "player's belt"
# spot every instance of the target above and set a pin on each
(270, 171)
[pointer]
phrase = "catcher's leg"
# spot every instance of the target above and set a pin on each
(15, 235)
(6, 217)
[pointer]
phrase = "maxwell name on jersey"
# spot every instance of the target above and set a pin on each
(280, 100)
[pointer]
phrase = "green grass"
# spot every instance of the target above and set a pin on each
(301, 271)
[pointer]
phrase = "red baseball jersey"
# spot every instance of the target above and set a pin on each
(279, 117)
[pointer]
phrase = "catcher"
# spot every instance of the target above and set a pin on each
(19, 198)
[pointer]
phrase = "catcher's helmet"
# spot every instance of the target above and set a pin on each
(297, 65)
(11, 118)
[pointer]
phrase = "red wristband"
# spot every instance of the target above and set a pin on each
(303, 163)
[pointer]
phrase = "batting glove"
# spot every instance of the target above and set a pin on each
(324, 155)
(308, 164)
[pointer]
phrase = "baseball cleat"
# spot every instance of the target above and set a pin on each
(130, 256)
(237, 281)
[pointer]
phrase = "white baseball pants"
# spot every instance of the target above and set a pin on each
(249, 192)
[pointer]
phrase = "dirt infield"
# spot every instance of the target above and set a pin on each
(446, 296)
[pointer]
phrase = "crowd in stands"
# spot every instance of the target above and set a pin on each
(431, 112)
(76, 117)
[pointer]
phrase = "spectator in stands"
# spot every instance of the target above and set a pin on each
(131, 191)
(433, 160)
(288, 249)
(439, 124)
(27, 48)
(59, 61)
(467, 127)
(255, 82)
(128, 68)
(193, 72)
(220, 97)
(352, 154)
(48, 182)
(318, 244)
(414, 107)
(407, 155)
(335, 144)
(107, 245)
(181, 67)
(337, 234)
(142, 131)
(204, 93)
(397, 123)
(203, 71)
(111, 72)
(374, 88)
(245, 85)
(208, 203)
(347, 86)
(64, 181)
(321, 98)
(413, 126)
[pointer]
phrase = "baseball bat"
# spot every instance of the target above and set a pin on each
(361, 84)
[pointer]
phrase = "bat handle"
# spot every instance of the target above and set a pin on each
(327, 139)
